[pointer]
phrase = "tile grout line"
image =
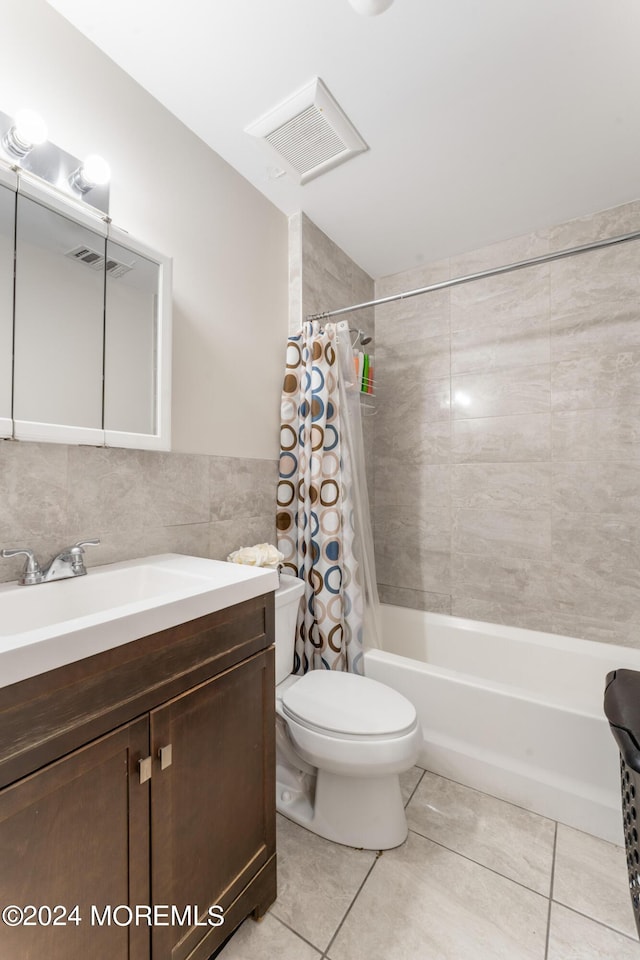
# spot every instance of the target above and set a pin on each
(600, 923)
(420, 779)
(553, 870)
(349, 908)
(499, 799)
(484, 866)
(299, 935)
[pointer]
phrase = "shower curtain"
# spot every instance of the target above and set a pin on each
(324, 530)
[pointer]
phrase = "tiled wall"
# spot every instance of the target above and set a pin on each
(322, 277)
(507, 444)
(137, 502)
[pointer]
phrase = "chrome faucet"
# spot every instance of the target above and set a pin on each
(68, 563)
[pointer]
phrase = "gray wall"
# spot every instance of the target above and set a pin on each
(138, 502)
(507, 443)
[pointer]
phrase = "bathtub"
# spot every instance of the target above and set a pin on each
(512, 712)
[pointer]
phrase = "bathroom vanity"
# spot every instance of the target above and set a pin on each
(142, 776)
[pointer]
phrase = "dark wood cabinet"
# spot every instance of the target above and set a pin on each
(90, 827)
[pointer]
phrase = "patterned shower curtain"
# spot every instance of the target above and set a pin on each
(318, 516)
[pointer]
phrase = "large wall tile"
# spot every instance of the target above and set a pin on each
(412, 398)
(415, 599)
(613, 222)
(523, 294)
(501, 486)
(609, 434)
(591, 382)
(417, 319)
(507, 342)
(33, 491)
(500, 254)
(412, 555)
(501, 393)
(607, 545)
(176, 487)
(501, 579)
(601, 629)
(411, 441)
(502, 533)
(225, 536)
(512, 612)
(107, 489)
(501, 439)
(608, 274)
(431, 354)
(597, 328)
(241, 488)
(593, 591)
(597, 486)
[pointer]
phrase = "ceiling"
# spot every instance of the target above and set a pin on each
(484, 120)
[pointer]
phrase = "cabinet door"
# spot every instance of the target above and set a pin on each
(213, 808)
(76, 833)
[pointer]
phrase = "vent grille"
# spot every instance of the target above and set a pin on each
(96, 260)
(309, 134)
(307, 140)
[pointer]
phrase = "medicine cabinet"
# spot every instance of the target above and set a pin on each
(85, 325)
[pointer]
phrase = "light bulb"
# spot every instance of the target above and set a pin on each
(370, 8)
(28, 131)
(94, 171)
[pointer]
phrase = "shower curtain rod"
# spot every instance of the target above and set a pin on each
(494, 272)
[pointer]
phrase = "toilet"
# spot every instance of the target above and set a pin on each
(342, 740)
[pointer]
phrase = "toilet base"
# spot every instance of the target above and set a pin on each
(363, 812)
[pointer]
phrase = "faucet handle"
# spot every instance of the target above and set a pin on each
(32, 571)
(75, 553)
(86, 543)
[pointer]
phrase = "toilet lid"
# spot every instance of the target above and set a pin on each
(348, 704)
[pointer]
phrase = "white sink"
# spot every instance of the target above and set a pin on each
(50, 624)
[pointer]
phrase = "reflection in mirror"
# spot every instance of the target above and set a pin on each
(131, 329)
(7, 230)
(59, 297)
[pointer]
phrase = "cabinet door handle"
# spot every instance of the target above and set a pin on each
(166, 756)
(145, 769)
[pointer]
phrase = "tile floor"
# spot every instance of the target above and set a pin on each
(477, 879)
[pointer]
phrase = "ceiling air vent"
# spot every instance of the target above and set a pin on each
(308, 133)
(96, 260)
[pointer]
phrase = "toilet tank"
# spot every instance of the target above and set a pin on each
(288, 597)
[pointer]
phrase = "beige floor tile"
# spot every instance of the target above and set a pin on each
(512, 841)
(266, 940)
(409, 781)
(423, 901)
(591, 877)
(573, 937)
(317, 880)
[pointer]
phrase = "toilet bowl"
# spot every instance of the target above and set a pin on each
(342, 740)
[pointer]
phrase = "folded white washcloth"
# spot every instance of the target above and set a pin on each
(260, 555)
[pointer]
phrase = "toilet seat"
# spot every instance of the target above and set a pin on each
(347, 706)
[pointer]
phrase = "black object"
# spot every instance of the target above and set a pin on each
(622, 709)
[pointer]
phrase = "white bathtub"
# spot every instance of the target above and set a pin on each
(512, 712)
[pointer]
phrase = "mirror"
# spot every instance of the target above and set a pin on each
(130, 347)
(59, 319)
(85, 346)
(7, 234)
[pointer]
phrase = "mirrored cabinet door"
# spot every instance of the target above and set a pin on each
(59, 326)
(7, 233)
(131, 341)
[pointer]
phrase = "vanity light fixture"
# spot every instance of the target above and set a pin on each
(27, 131)
(92, 172)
